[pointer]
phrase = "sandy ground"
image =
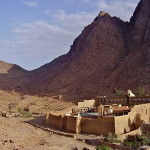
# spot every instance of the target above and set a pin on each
(17, 134)
(34, 103)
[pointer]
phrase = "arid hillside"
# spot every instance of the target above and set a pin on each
(10, 75)
(6, 68)
(108, 54)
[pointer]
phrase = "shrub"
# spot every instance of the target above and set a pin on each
(138, 141)
(103, 147)
(109, 138)
(128, 143)
(141, 91)
(120, 92)
(24, 114)
(112, 138)
(144, 140)
(19, 109)
(136, 144)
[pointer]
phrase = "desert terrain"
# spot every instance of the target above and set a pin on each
(109, 55)
(17, 134)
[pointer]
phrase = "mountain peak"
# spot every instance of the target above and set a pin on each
(108, 54)
(103, 13)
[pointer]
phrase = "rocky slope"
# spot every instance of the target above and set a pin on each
(108, 54)
(10, 68)
(10, 75)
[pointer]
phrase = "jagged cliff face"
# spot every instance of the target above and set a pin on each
(135, 70)
(108, 54)
(93, 56)
(140, 25)
(140, 22)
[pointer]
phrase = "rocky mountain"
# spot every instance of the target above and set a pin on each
(108, 54)
(6, 68)
(10, 75)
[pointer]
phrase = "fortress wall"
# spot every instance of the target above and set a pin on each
(71, 124)
(118, 125)
(127, 123)
(54, 121)
(64, 123)
(122, 124)
(98, 126)
(87, 103)
(143, 111)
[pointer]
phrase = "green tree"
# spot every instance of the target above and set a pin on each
(137, 120)
(120, 92)
(141, 91)
(103, 147)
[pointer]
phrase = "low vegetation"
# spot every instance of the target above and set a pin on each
(141, 91)
(24, 114)
(112, 138)
(137, 141)
(103, 147)
(120, 92)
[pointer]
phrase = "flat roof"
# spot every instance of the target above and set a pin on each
(121, 109)
(89, 114)
(85, 107)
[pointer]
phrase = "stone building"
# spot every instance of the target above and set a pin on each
(102, 116)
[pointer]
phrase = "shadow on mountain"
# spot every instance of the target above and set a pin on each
(27, 82)
(108, 54)
(10, 78)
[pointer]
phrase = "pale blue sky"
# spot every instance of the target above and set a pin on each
(34, 32)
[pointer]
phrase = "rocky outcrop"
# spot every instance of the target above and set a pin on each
(108, 54)
(103, 13)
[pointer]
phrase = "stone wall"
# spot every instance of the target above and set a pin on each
(122, 124)
(132, 121)
(143, 110)
(64, 123)
(87, 103)
(71, 124)
(100, 126)
(125, 136)
(54, 121)
(119, 125)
